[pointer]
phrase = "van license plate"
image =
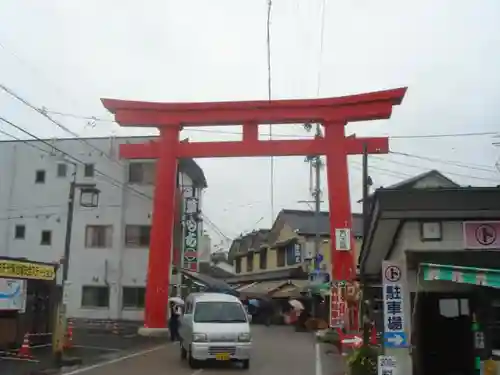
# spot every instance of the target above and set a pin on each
(222, 357)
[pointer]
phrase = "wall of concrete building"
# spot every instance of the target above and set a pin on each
(409, 239)
(43, 206)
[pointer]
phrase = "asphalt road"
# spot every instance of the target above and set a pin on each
(277, 351)
(91, 346)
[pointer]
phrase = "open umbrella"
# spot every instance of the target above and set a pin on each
(254, 302)
(297, 305)
(177, 300)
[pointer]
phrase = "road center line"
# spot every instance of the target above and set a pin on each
(97, 348)
(319, 365)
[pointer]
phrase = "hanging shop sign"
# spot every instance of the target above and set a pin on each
(26, 270)
(342, 239)
(191, 224)
(481, 235)
(393, 293)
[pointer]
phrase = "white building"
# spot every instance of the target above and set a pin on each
(109, 244)
(442, 243)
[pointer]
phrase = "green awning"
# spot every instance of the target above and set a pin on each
(459, 274)
(321, 289)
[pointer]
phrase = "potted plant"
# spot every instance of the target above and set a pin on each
(363, 361)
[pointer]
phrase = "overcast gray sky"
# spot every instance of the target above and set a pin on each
(66, 54)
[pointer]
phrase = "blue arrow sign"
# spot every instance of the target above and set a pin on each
(395, 340)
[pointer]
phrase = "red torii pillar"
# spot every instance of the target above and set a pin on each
(170, 118)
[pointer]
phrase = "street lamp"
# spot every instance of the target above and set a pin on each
(89, 197)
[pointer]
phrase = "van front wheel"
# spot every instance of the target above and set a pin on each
(193, 363)
(246, 364)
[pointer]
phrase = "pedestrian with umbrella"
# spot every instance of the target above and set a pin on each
(175, 314)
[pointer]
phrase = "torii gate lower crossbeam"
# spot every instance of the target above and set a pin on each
(169, 118)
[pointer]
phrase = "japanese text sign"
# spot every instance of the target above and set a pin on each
(386, 365)
(394, 323)
(190, 230)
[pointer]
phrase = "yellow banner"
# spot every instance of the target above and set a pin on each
(26, 270)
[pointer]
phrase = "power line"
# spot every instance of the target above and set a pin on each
(447, 172)
(477, 167)
(283, 135)
(445, 135)
(269, 96)
(38, 216)
(214, 227)
(110, 179)
(43, 112)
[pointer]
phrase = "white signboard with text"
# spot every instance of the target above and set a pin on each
(12, 294)
(343, 239)
(393, 293)
(386, 365)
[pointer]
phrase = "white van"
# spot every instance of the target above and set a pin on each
(215, 326)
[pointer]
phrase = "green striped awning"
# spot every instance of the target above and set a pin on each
(460, 274)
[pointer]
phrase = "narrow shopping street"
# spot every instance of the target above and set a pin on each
(277, 351)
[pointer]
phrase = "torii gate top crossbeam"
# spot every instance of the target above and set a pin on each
(362, 107)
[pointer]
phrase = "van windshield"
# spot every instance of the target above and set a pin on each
(219, 312)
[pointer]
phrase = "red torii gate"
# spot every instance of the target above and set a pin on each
(170, 118)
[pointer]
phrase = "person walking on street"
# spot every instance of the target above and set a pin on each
(173, 323)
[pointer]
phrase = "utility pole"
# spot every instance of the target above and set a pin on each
(60, 332)
(366, 211)
(318, 164)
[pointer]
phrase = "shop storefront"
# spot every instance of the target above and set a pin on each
(28, 295)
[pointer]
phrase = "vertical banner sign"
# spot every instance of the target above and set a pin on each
(191, 230)
(298, 253)
(386, 365)
(394, 322)
(337, 308)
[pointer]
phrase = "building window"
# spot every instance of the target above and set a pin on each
(40, 177)
(100, 236)
(142, 173)
(95, 296)
(263, 259)
(250, 262)
(238, 265)
(88, 170)
(133, 297)
(62, 170)
(20, 232)
(137, 235)
(46, 237)
(280, 257)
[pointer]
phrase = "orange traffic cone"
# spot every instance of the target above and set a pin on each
(68, 342)
(25, 350)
